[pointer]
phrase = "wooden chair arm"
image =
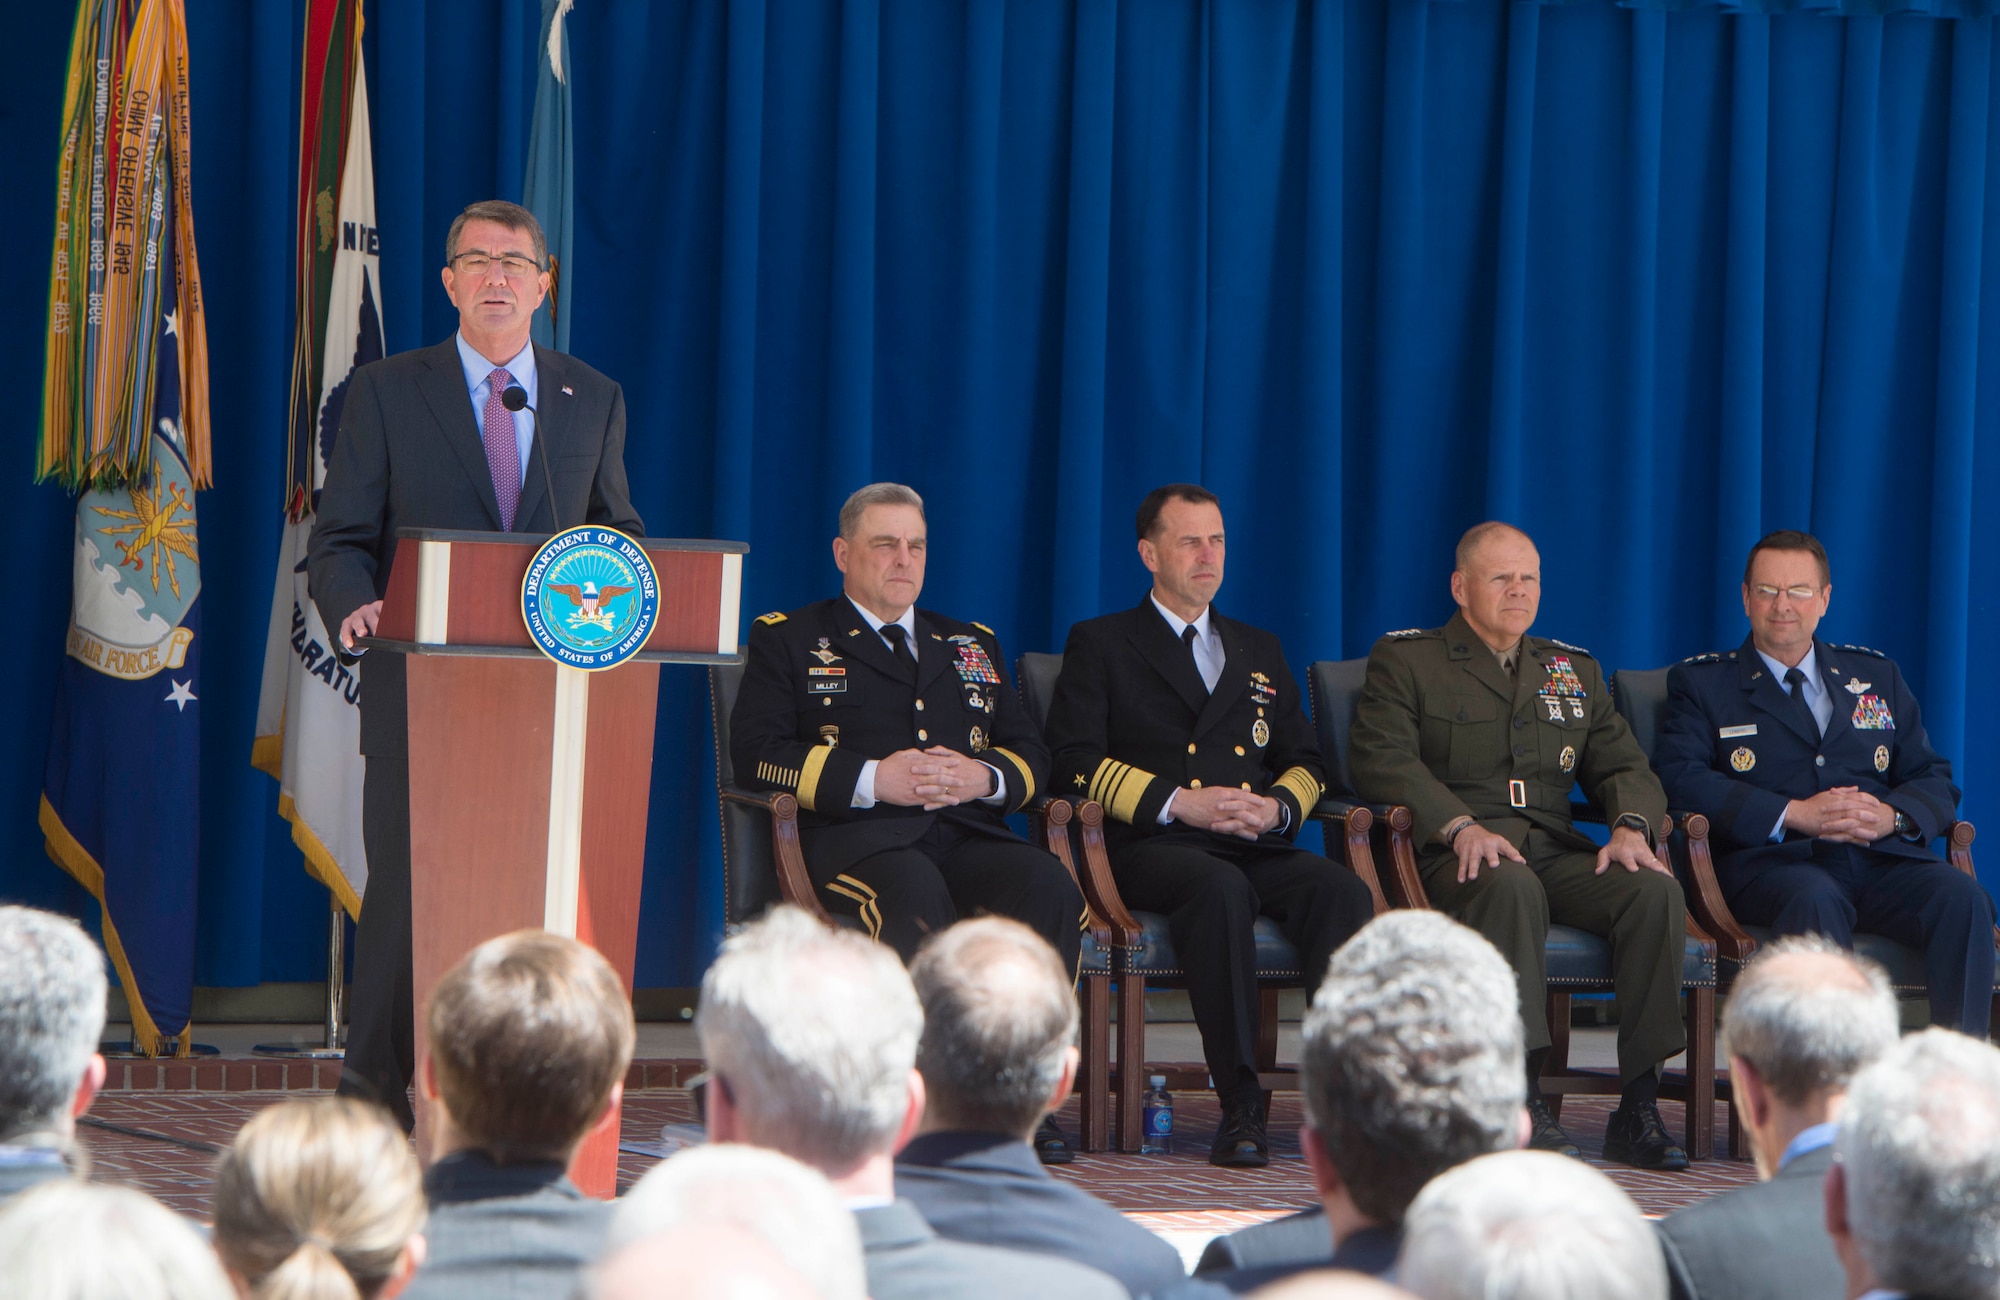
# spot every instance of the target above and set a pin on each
(1706, 906)
(1051, 820)
(1356, 821)
(1099, 890)
(788, 858)
(1958, 839)
(1406, 887)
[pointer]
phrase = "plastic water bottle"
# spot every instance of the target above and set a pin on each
(1157, 1128)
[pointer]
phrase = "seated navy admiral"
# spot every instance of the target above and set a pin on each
(1188, 728)
(1822, 811)
(1483, 731)
(904, 771)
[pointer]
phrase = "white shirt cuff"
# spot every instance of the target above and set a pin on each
(1778, 831)
(999, 795)
(864, 786)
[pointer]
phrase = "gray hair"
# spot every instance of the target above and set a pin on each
(1808, 1014)
(999, 1014)
(1529, 1225)
(1920, 1142)
(788, 1210)
(1475, 537)
(71, 1240)
(1412, 1057)
(52, 988)
(876, 494)
(511, 215)
(813, 1033)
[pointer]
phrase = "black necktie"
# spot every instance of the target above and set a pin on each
(1187, 639)
(899, 642)
(1796, 679)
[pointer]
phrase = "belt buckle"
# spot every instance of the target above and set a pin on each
(1517, 793)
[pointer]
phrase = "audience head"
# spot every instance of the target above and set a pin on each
(52, 988)
(319, 1200)
(1412, 1058)
(717, 1211)
(811, 1036)
(530, 1036)
(1913, 1203)
(1529, 1225)
(72, 1240)
(1802, 1018)
(999, 1020)
(1330, 1284)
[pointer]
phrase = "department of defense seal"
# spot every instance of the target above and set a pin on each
(590, 598)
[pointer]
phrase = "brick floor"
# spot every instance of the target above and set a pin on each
(1179, 1195)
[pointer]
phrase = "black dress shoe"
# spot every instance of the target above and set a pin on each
(1637, 1136)
(1050, 1145)
(1240, 1143)
(1547, 1135)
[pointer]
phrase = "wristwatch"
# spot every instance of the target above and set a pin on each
(1633, 821)
(1904, 826)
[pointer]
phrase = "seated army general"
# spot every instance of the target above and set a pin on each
(1811, 764)
(1187, 727)
(1483, 731)
(899, 732)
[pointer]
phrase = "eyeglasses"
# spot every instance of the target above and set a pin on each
(479, 262)
(1764, 591)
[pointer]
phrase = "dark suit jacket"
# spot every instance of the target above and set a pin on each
(409, 455)
(1742, 782)
(1371, 1250)
(1297, 1238)
(1131, 722)
(506, 1232)
(822, 694)
(907, 1260)
(991, 1190)
(1766, 1242)
(1441, 729)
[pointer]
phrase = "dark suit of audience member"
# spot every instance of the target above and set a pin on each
(1294, 1238)
(908, 1260)
(506, 1230)
(424, 442)
(1367, 1250)
(1189, 729)
(1764, 1242)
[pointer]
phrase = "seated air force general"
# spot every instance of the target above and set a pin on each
(1801, 1019)
(1188, 728)
(810, 1035)
(901, 735)
(1823, 808)
(426, 441)
(1483, 731)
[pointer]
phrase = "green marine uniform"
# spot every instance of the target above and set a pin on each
(1442, 729)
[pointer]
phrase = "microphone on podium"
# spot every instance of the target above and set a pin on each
(515, 398)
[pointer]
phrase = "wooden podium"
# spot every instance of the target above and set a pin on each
(529, 780)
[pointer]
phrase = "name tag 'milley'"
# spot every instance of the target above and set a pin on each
(1731, 733)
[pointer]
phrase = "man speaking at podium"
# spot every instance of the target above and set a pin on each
(442, 437)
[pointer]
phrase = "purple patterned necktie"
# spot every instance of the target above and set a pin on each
(503, 453)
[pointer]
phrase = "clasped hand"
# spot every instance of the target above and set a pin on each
(1845, 814)
(1241, 813)
(933, 778)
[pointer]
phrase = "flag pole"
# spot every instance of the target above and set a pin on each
(336, 994)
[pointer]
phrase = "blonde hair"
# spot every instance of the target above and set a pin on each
(316, 1200)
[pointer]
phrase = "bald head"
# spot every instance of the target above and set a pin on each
(1464, 557)
(1807, 1014)
(999, 1017)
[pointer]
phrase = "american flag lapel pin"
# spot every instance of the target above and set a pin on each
(568, 391)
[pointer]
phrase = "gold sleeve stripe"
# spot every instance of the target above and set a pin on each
(1021, 766)
(1304, 787)
(808, 785)
(787, 776)
(1119, 787)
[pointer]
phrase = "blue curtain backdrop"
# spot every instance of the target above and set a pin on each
(1646, 281)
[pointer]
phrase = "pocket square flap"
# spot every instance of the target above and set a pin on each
(1731, 733)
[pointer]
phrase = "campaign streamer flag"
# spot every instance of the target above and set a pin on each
(549, 188)
(125, 419)
(308, 715)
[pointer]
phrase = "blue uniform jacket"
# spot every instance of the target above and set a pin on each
(1733, 748)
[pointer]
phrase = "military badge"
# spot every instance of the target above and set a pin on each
(823, 654)
(972, 663)
(1562, 678)
(1567, 762)
(1576, 709)
(831, 735)
(1856, 686)
(1881, 758)
(1743, 759)
(1261, 690)
(590, 598)
(1260, 732)
(978, 740)
(1555, 708)
(1871, 714)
